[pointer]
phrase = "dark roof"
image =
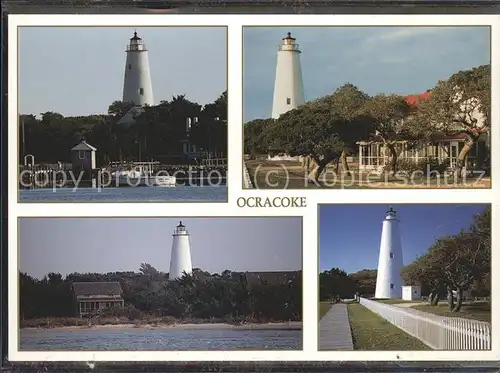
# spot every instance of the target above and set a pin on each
(97, 288)
(269, 276)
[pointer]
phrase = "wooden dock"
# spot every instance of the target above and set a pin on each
(335, 329)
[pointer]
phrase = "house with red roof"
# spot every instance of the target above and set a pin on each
(374, 156)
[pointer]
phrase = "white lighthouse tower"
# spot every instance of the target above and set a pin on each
(288, 87)
(390, 261)
(180, 258)
(137, 86)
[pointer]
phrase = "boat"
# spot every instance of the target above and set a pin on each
(142, 176)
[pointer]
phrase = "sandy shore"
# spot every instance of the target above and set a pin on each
(294, 325)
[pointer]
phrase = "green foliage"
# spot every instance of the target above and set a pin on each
(256, 139)
(428, 166)
(157, 132)
(201, 295)
(458, 262)
(324, 128)
(336, 282)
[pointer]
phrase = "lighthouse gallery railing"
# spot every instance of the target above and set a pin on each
(438, 332)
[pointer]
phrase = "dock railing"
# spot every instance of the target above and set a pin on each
(437, 332)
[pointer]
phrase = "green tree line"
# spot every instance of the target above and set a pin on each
(201, 295)
(156, 133)
(328, 128)
(455, 264)
(452, 264)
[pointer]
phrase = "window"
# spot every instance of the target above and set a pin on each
(130, 66)
(141, 91)
(81, 154)
(392, 286)
(391, 255)
(288, 101)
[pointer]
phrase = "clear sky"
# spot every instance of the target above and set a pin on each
(401, 60)
(80, 70)
(349, 235)
(67, 245)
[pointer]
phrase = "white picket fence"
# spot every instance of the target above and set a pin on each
(247, 182)
(437, 332)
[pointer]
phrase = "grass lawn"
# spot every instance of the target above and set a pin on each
(397, 301)
(372, 332)
(324, 307)
(477, 311)
(290, 175)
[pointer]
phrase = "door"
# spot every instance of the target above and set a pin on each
(453, 153)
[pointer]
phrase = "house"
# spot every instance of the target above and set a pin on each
(269, 277)
(83, 157)
(92, 297)
(374, 155)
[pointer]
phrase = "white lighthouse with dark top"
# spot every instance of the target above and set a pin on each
(390, 261)
(137, 85)
(180, 258)
(288, 87)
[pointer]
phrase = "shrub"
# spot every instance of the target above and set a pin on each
(428, 166)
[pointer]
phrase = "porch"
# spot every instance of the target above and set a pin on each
(374, 156)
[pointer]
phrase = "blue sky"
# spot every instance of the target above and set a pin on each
(67, 245)
(349, 236)
(80, 70)
(401, 60)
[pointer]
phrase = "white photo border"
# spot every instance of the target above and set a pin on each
(310, 255)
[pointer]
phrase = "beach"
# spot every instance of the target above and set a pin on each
(293, 325)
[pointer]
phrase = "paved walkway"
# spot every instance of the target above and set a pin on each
(335, 329)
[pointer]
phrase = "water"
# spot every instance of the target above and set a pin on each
(159, 339)
(130, 194)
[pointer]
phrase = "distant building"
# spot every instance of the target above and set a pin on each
(83, 157)
(92, 297)
(269, 277)
(412, 292)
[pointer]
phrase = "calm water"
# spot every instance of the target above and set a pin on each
(131, 194)
(160, 339)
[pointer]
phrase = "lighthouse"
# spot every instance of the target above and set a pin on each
(390, 261)
(180, 258)
(137, 86)
(288, 87)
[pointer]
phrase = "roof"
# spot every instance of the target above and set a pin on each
(269, 276)
(415, 99)
(135, 37)
(84, 146)
(129, 117)
(97, 288)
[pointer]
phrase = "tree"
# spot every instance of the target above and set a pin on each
(157, 133)
(424, 272)
(388, 114)
(226, 297)
(120, 108)
(456, 263)
(255, 134)
(459, 105)
(336, 283)
(322, 129)
(366, 281)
